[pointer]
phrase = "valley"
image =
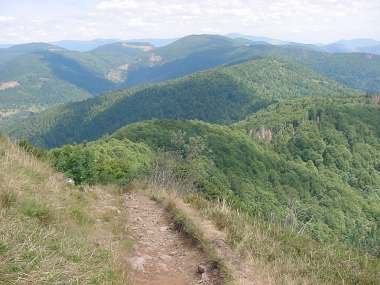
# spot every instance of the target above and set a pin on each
(212, 159)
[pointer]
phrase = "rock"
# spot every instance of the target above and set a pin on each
(165, 257)
(69, 181)
(204, 278)
(163, 229)
(262, 133)
(137, 263)
(201, 268)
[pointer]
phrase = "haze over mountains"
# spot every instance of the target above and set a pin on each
(286, 134)
(36, 76)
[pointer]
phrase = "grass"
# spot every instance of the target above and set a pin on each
(49, 231)
(278, 255)
(282, 257)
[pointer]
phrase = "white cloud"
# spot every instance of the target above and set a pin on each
(314, 20)
(6, 19)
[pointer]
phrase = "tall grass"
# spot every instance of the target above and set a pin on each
(284, 257)
(42, 239)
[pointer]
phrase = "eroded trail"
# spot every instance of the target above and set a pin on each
(160, 254)
(242, 272)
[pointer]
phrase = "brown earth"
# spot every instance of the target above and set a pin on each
(160, 254)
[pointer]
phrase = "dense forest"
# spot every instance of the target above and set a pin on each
(317, 173)
(48, 75)
(220, 95)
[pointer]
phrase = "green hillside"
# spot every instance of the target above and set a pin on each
(200, 52)
(41, 75)
(356, 70)
(38, 76)
(319, 175)
(46, 78)
(332, 202)
(221, 95)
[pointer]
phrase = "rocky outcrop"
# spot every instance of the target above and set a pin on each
(9, 85)
(262, 133)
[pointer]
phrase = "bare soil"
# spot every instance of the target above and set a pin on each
(161, 255)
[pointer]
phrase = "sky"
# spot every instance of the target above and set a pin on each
(308, 21)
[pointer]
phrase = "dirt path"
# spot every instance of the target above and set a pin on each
(242, 272)
(161, 255)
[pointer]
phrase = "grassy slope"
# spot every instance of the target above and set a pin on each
(49, 230)
(223, 95)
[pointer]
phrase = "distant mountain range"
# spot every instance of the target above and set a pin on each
(39, 75)
(258, 39)
(356, 45)
(85, 46)
(222, 95)
(342, 46)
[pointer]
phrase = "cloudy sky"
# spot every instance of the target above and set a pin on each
(296, 20)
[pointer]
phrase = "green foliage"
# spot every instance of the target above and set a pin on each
(49, 75)
(339, 140)
(104, 161)
(294, 188)
(222, 95)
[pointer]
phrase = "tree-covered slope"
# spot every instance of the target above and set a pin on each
(47, 78)
(44, 75)
(199, 52)
(268, 189)
(319, 177)
(321, 164)
(221, 95)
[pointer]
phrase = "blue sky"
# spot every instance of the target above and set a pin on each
(296, 20)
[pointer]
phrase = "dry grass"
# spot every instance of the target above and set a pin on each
(50, 231)
(278, 256)
(282, 257)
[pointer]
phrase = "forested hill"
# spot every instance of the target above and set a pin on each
(311, 163)
(220, 95)
(200, 52)
(42, 75)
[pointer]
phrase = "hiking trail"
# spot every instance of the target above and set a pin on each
(160, 254)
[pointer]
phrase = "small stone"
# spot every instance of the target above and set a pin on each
(165, 257)
(204, 278)
(69, 181)
(201, 268)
